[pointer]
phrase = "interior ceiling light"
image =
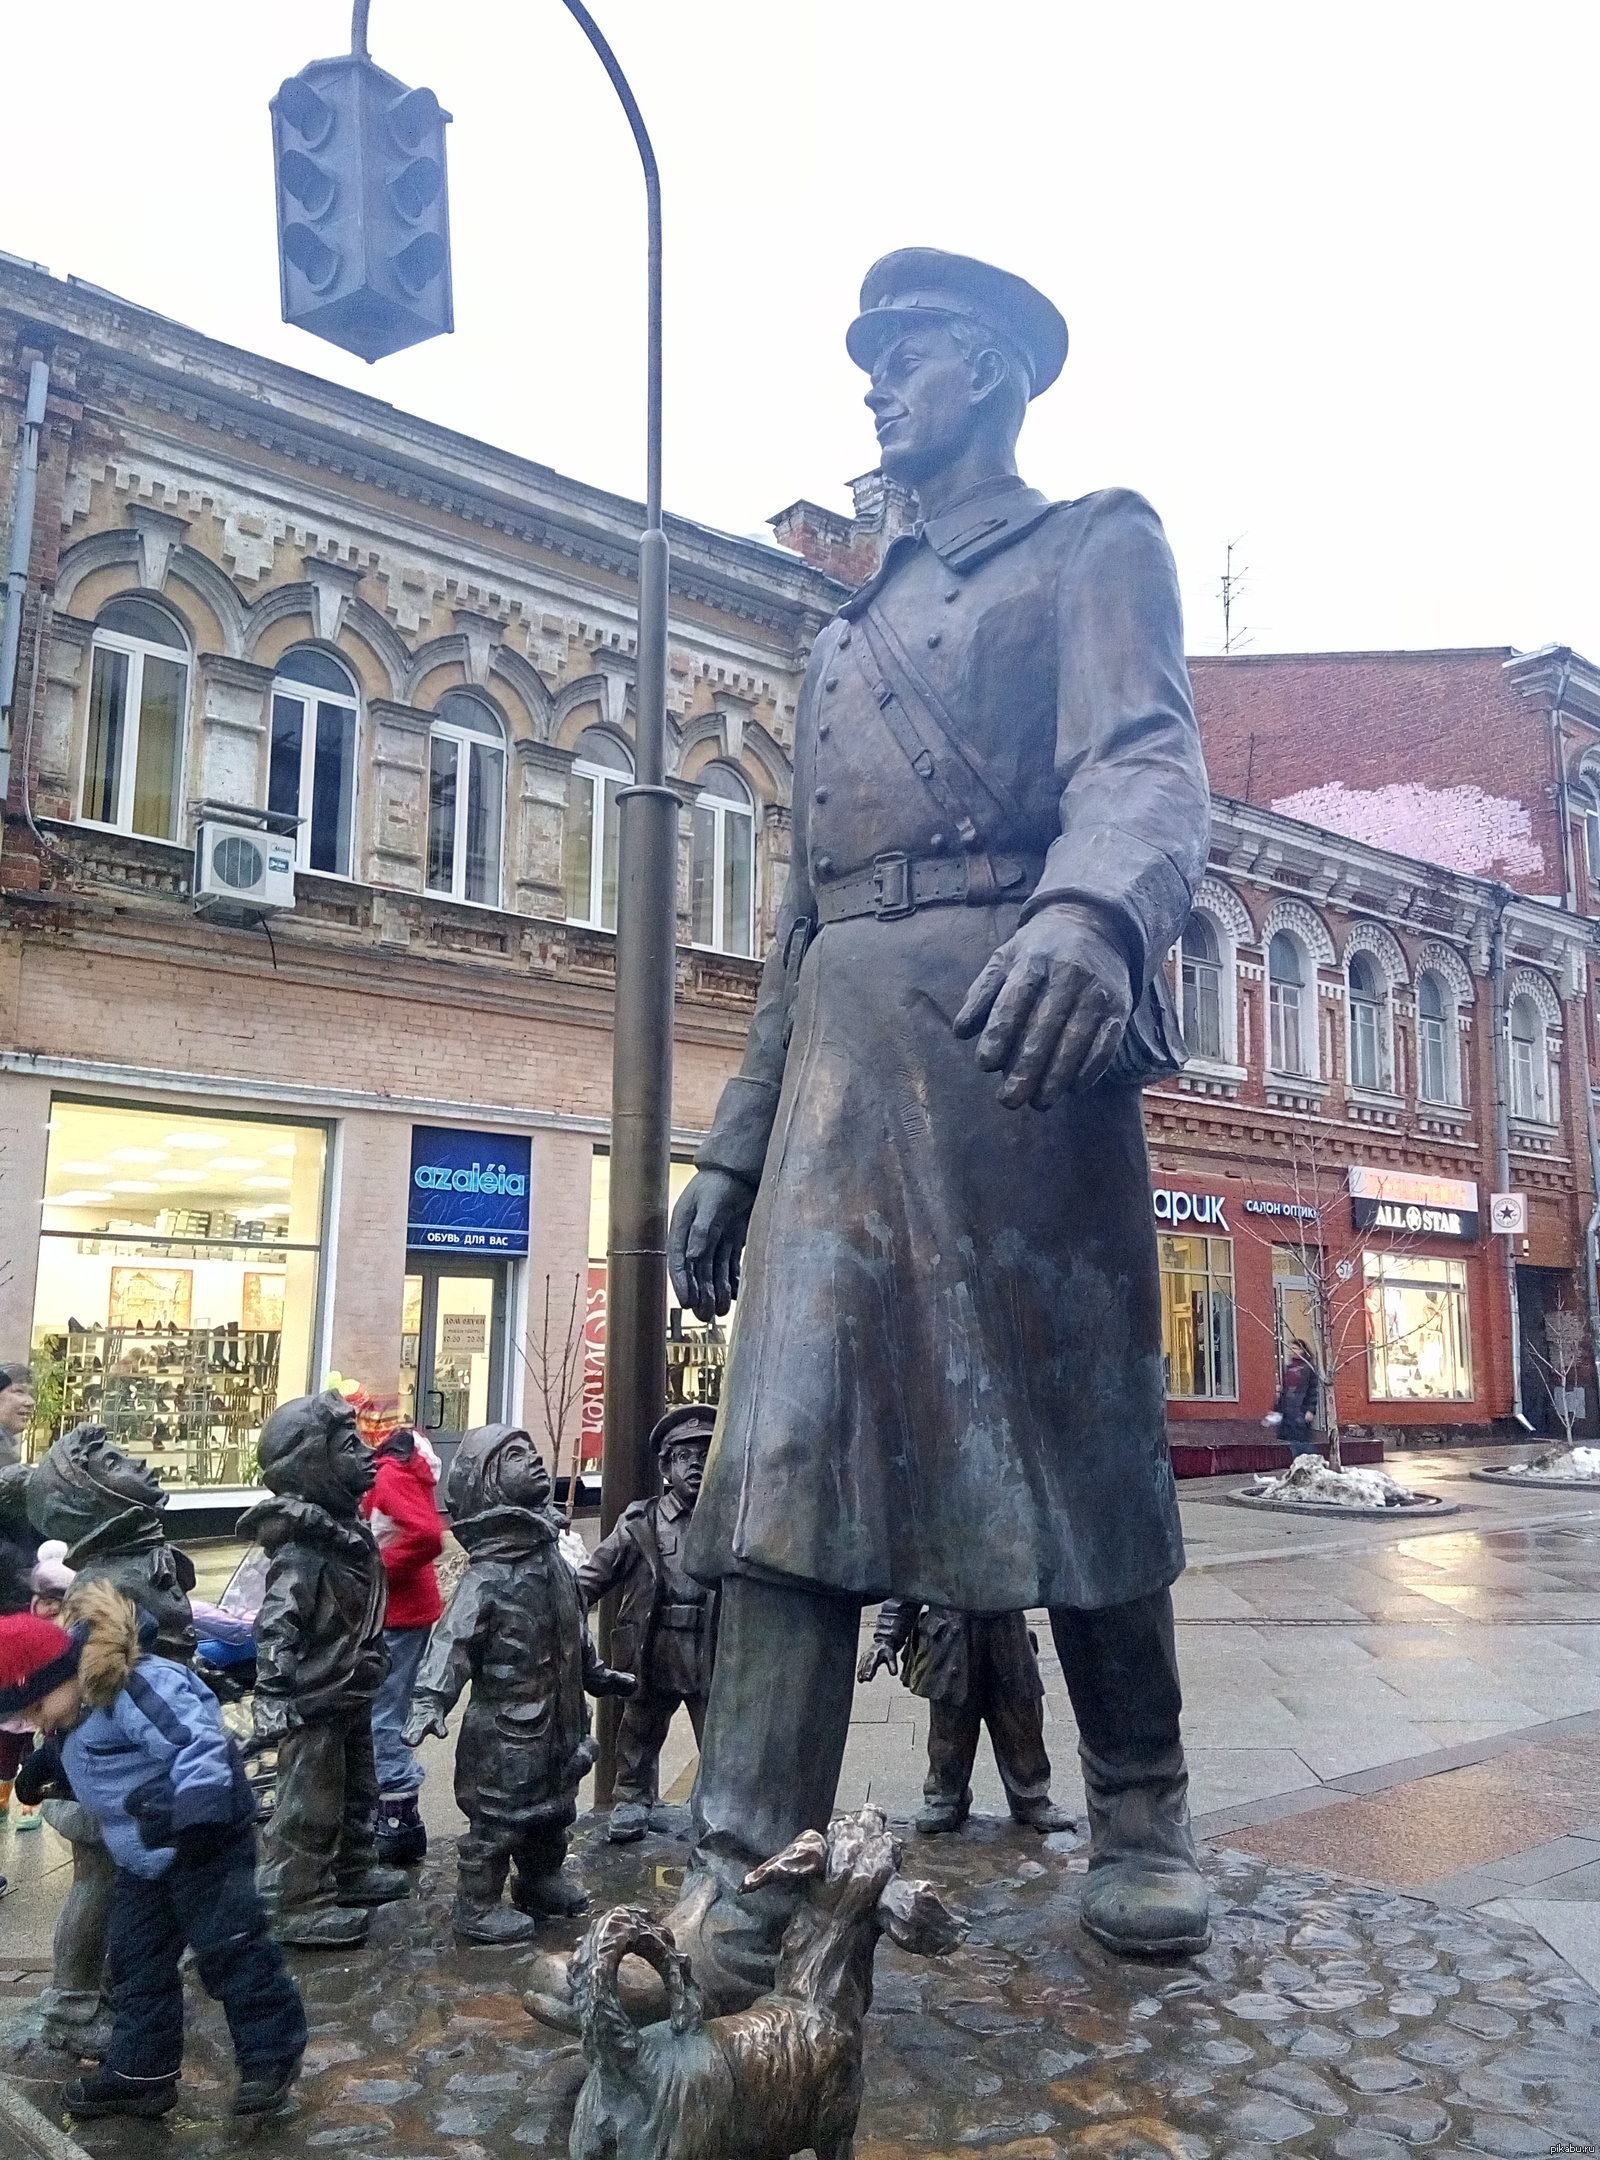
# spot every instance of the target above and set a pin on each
(86, 1169)
(234, 1162)
(283, 1147)
(136, 1154)
(267, 1184)
(77, 1199)
(177, 1177)
(190, 1139)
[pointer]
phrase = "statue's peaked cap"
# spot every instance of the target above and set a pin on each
(689, 1421)
(915, 283)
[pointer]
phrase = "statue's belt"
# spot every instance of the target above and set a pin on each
(681, 1616)
(894, 885)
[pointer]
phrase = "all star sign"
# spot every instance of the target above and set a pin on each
(468, 1191)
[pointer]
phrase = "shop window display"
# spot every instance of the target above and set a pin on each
(1198, 1330)
(1418, 1341)
(177, 1283)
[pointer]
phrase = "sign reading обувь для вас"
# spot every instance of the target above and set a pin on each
(468, 1191)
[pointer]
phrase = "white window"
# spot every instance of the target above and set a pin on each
(311, 767)
(466, 799)
(138, 706)
(1286, 989)
(1202, 988)
(1367, 1030)
(722, 890)
(600, 772)
(1586, 803)
(1530, 1064)
(1435, 1028)
(1419, 1344)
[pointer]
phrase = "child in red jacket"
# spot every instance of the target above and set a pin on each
(404, 1518)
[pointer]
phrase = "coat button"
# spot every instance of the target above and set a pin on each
(933, 637)
(824, 730)
(844, 637)
(936, 841)
(822, 794)
(954, 593)
(832, 683)
(824, 865)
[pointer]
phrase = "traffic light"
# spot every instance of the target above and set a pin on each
(363, 210)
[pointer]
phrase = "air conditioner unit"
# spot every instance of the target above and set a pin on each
(244, 865)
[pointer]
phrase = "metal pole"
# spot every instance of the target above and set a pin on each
(20, 554)
(641, 1071)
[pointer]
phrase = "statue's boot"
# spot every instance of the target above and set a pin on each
(374, 1885)
(1043, 1816)
(479, 1916)
(943, 1813)
(1144, 1895)
(555, 1896)
(630, 1819)
(321, 1927)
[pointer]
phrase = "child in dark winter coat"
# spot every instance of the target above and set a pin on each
(140, 1744)
(403, 1516)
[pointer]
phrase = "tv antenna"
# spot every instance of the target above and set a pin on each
(1233, 588)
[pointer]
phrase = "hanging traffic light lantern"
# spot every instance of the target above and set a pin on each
(363, 209)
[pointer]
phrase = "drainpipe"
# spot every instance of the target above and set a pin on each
(21, 552)
(1591, 1234)
(1502, 1132)
(1558, 748)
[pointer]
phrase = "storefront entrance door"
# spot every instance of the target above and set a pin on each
(452, 1346)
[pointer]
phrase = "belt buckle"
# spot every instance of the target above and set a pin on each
(891, 887)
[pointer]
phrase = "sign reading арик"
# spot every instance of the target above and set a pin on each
(468, 1191)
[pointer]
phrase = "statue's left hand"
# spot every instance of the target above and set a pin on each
(1052, 1003)
(420, 1723)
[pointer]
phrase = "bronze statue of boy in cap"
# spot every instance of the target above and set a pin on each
(664, 1626)
(947, 1380)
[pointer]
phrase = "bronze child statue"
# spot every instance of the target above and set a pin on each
(664, 1628)
(320, 1660)
(515, 1629)
(972, 1669)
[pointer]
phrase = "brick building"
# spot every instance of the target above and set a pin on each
(401, 663)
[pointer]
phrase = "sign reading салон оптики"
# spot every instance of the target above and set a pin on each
(468, 1191)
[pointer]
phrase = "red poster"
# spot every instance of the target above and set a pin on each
(594, 1369)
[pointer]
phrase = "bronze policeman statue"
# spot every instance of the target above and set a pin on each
(947, 1379)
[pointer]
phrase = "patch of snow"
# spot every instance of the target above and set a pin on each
(1578, 1462)
(1309, 1478)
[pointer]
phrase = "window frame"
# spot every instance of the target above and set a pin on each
(1447, 1022)
(1386, 1270)
(135, 650)
(310, 696)
(1221, 1316)
(1367, 1035)
(720, 808)
(591, 771)
(465, 739)
(1276, 1007)
(1536, 1065)
(1191, 968)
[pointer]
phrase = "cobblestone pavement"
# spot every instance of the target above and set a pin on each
(1328, 2019)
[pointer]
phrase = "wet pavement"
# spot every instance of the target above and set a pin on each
(1327, 2019)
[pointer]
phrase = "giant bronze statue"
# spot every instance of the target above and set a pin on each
(947, 1378)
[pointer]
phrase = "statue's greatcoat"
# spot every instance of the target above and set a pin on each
(946, 1380)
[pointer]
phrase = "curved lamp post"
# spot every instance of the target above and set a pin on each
(364, 257)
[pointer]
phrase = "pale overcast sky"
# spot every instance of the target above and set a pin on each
(1330, 272)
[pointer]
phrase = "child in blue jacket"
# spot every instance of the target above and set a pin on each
(141, 1744)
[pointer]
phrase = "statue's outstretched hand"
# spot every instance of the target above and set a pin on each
(880, 1658)
(1052, 1003)
(706, 1240)
(421, 1722)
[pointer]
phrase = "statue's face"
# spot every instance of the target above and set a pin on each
(682, 1467)
(924, 404)
(520, 1474)
(124, 1477)
(350, 1460)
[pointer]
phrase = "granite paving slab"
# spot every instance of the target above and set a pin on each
(1327, 2019)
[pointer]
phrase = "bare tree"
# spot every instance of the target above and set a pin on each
(1335, 1283)
(1559, 1361)
(557, 1373)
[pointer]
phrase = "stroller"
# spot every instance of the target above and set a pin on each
(225, 1659)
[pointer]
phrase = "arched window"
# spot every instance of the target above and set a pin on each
(722, 906)
(138, 705)
(1367, 1031)
(1585, 793)
(466, 799)
(601, 770)
(1530, 1065)
(1202, 988)
(1285, 989)
(1434, 1061)
(311, 765)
